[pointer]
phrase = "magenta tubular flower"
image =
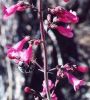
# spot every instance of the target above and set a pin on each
(11, 10)
(64, 15)
(13, 52)
(13, 55)
(26, 55)
(70, 16)
(20, 44)
(83, 69)
(50, 86)
(21, 8)
(67, 32)
(66, 0)
(54, 97)
(67, 17)
(74, 81)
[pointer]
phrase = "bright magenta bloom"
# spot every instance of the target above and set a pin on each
(66, 0)
(74, 81)
(64, 15)
(83, 69)
(26, 55)
(11, 10)
(13, 52)
(65, 31)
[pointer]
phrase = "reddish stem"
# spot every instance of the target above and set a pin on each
(44, 49)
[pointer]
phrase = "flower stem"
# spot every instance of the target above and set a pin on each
(44, 49)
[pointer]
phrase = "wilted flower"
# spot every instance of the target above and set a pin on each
(74, 81)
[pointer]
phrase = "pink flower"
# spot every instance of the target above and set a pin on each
(74, 81)
(13, 55)
(66, 0)
(64, 15)
(50, 86)
(26, 55)
(54, 97)
(11, 10)
(83, 69)
(13, 52)
(65, 31)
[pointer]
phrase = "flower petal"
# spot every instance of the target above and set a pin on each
(74, 81)
(64, 31)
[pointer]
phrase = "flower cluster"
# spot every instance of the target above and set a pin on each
(66, 71)
(64, 18)
(58, 19)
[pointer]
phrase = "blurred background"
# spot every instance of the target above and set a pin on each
(60, 49)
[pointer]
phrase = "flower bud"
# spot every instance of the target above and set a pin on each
(27, 90)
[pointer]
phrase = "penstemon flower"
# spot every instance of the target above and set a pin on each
(74, 81)
(83, 69)
(13, 52)
(64, 15)
(19, 46)
(67, 32)
(64, 18)
(26, 55)
(11, 10)
(66, 0)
